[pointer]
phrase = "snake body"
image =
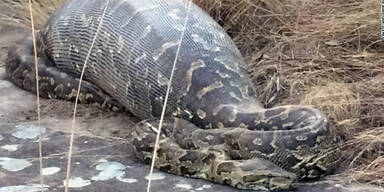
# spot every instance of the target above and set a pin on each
(214, 128)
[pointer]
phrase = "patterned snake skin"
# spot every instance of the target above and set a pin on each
(214, 130)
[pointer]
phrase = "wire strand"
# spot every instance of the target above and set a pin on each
(166, 98)
(37, 96)
(77, 99)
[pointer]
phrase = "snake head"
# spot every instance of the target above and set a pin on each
(254, 174)
(265, 181)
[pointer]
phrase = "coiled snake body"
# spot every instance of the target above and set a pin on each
(214, 130)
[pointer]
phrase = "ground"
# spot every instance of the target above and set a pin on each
(102, 158)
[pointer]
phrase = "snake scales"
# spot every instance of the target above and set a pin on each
(214, 130)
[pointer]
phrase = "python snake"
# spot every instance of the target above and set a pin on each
(215, 129)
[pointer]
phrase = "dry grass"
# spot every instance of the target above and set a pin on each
(41, 11)
(325, 53)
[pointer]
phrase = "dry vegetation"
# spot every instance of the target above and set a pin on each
(325, 53)
(16, 11)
